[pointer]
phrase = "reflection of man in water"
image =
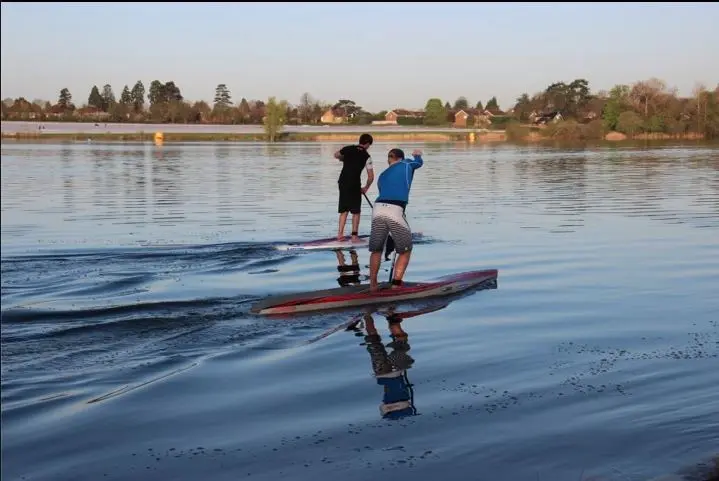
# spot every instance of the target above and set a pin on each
(349, 274)
(390, 370)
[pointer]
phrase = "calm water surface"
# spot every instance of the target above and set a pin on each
(128, 351)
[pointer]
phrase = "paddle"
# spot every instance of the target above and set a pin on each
(389, 247)
(391, 269)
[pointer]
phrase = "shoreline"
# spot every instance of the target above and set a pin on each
(479, 137)
(564, 132)
(169, 137)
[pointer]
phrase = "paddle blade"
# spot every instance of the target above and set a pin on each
(388, 248)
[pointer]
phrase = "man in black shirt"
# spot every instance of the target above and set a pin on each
(354, 158)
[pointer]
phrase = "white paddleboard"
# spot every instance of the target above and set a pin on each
(331, 243)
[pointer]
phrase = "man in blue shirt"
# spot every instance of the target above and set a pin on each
(390, 369)
(388, 214)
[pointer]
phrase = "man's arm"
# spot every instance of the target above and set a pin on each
(417, 162)
(340, 154)
(370, 175)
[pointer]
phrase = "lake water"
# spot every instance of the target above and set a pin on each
(128, 352)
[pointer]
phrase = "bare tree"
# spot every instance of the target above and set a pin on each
(305, 108)
(645, 93)
(699, 92)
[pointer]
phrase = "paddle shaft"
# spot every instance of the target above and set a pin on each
(391, 268)
(367, 199)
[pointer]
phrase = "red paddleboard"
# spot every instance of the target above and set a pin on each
(354, 296)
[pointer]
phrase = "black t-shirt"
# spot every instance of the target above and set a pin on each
(354, 159)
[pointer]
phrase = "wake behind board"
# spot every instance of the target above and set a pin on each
(331, 243)
(355, 296)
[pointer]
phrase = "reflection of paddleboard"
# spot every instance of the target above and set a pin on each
(353, 296)
(331, 243)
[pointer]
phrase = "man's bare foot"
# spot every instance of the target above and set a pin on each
(373, 286)
(340, 238)
(355, 238)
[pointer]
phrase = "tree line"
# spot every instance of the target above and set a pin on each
(648, 106)
(164, 103)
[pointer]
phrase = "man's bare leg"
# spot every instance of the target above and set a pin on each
(369, 324)
(400, 265)
(340, 258)
(375, 259)
(341, 227)
(355, 226)
(396, 330)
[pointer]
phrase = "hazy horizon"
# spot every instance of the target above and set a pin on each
(382, 56)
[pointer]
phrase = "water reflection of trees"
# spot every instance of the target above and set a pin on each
(104, 180)
(560, 186)
(286, 171)
(67, 156)
(273, 150)
(567, 185)
(134, 177)
(253, 179)
(167, 174)
(223, 183)
(631, 182)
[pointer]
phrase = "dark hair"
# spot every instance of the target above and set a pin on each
(365, 139)
(397, 153)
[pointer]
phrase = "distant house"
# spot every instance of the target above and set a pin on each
(334, 116)
(589, 116)
(460, 119)
(393, 116)
(488, 117)
(56, 111)
(91, 112)
(546, 117)
(21, 109)
(484, 118)
(469, 117)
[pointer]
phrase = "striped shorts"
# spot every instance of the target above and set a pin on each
(389, 219)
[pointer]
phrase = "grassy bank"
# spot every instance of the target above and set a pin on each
(562, 133)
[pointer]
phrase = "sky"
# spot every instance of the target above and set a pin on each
(380, 55)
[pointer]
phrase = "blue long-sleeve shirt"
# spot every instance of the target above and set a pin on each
(396, 180)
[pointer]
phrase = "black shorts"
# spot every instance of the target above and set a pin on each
(350, 198)
(345, 281)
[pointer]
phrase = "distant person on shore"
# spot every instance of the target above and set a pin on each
(388, 215)
(354, 158)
